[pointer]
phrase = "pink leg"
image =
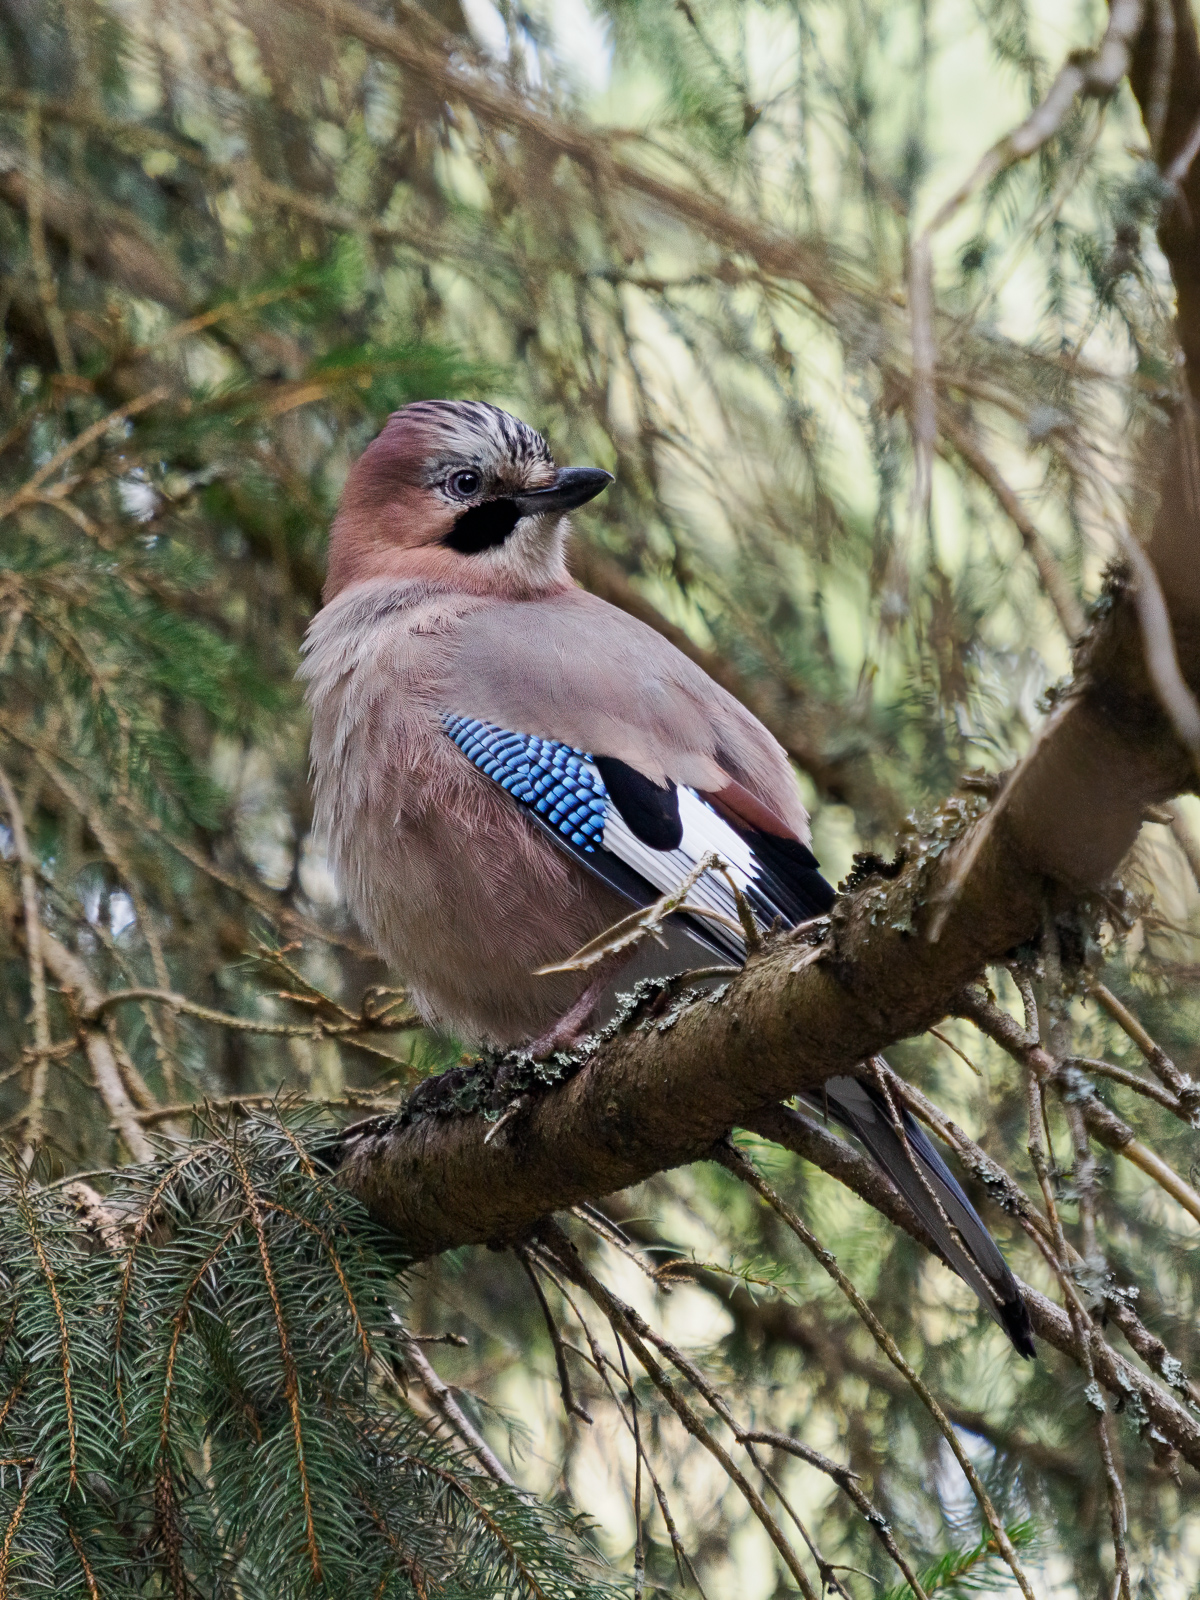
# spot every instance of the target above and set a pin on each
(566, 1032)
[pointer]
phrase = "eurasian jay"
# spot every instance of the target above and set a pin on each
(503, 764)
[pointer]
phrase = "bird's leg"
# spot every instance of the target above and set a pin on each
(566, 1032)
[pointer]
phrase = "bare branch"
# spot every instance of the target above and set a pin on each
(1101, 1123)
(749, 1174)
(223, 1019)
(1121, 1378)
(845, 1480)
(1157, 1058)
(570, 1404)
(631, 1328)
(442, 1398)
(37, 974)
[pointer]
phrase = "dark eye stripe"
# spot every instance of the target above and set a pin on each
(483, 527)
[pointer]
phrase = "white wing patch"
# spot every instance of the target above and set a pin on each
(563, 790)
(704, 833)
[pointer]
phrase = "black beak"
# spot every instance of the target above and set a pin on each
(572, 486)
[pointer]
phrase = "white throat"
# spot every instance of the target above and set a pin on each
(533, 555)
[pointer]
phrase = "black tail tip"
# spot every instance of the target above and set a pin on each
(1014, 1316)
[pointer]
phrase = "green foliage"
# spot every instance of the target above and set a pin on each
(204, 1393)
(971, 1571)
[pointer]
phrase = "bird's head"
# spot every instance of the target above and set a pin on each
(461, 493)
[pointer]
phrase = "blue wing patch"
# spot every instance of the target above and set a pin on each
(565, 793)
(556, 781)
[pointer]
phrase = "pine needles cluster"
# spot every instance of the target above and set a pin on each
(203, 1394)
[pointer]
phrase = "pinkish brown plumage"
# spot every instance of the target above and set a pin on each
(457, 889)
(395, 514)
(502, 763)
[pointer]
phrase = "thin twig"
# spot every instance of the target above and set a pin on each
(1182, 164)
(1130, 1080)
(443, 1400)
(639, 1547)
(223, 1019)
(884, 1078)
(622, 1320)
(37, 972)
(1102, 1123)
(1157, 1059)
(1082, 1325)
(696, 1376)
(249, 1103)
(570, 1404)
(1121, 1377)
(846, 1482)
(602, 1366)
(1159, 92)
(744, 1169)
(64, 1343)
(604, 1228)
(642, 924)
(961, 1054)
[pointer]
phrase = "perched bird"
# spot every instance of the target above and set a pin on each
(504, 764)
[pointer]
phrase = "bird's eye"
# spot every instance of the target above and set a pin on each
(462, 485)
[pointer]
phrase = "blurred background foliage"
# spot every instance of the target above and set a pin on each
(673, 234)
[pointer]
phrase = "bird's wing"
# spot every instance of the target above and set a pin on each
(580, 710)
(572, 668)
(642, 838)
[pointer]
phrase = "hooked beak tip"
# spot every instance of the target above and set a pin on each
(572, 487)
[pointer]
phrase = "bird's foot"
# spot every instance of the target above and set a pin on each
(572, 1026)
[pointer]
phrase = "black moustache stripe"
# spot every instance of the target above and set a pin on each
(483, 527)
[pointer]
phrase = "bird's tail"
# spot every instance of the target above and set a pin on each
(933, 1192)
